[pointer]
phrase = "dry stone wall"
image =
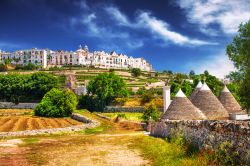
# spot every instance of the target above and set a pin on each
(126, 109)
(9, 105)
(208, 134)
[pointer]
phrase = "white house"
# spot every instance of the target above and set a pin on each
(82, 56)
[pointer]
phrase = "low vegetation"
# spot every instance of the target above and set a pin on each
(136, 117)
(151, 113)
(162, 152)
(57, 103)
(136, 72)
(137, 102)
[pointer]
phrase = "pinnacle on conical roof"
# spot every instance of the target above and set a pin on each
(199, 85)
(180, 94)
(205, 87)
(196, 90)
(229, 102)
(225, 89)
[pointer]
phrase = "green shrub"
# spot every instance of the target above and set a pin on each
(57, 103)
(28, 66)
(91, 103)
(147, 97)
(136, 72)
(151, 113)
(3, 67)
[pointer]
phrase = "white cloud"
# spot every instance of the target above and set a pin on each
(218, 65)
(117, 15)
(227, 14)
(163, 31)
(158, 27)
(89, 24)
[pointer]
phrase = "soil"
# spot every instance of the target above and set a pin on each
(106, 148)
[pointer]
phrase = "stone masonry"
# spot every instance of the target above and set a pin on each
(208, 134)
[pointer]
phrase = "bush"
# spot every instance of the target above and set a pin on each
(120, 101)
(91, 103)
(57, 103)
(151, 113)
(3, 67)
(29, 66)
(147, 97)
(136, 72)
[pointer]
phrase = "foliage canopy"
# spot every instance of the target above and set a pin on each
(57, 103)
(103, 89)
(26, 88)
(239, 52)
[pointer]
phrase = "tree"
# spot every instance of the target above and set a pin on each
(213, 82)
(41, 82)
(186, 86)
(170, 72)
(106, 87)
(57, 103)
(235, 76)
(136, 72)
(239, 52)
(26, 88)
(151, 113)
(13, 87)
(191, 73)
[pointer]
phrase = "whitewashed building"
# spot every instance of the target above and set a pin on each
(34, 56)
(82, 56)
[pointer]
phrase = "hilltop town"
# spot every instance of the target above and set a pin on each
(46, 58)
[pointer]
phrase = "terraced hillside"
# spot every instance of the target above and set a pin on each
(83, 75)
(145, 80)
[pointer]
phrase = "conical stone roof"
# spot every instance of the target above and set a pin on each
(208, 103)
(181, 108)
(196, 90)
(229, 102)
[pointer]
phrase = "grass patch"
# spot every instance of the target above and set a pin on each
(137, 117)
(95, 130)
(161, 152)
(85, 77)
(61, 80)
(31, 140)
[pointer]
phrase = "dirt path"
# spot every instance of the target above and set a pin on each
(108, 147)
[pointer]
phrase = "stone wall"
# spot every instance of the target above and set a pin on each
(10, 105)
(125, 109)
(209, 134)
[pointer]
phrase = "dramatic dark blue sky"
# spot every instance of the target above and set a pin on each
(178, 35)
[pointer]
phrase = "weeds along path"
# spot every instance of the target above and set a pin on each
(108, 144)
